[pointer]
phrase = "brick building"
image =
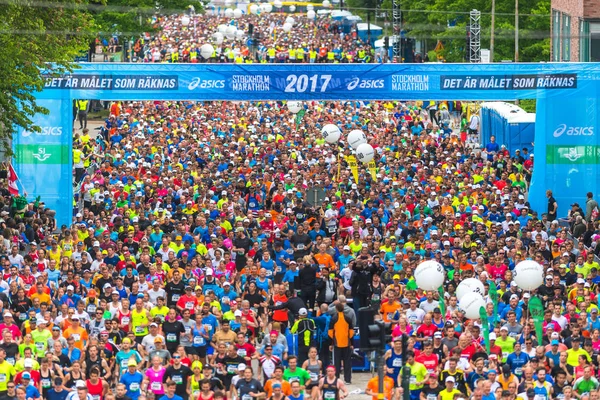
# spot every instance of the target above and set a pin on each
(575, 30)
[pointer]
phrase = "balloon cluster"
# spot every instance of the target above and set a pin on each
(430, 275)
(356, 139)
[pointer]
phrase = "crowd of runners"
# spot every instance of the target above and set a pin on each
(222, 250)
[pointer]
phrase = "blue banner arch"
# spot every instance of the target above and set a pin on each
(567, 141)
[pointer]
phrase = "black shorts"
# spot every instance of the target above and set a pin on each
(199, 351)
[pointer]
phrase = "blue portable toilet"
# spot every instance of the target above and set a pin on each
(349, 23)
(363, 32)
(512, 126)
(338, 15)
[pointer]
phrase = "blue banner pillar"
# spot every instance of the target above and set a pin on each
(44, 160)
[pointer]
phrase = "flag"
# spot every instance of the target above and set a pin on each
(485, 324)
(299, 117)
(373, 170)
(442, 301)
(493, 293)
(12, 181)
(536, 309)
(353, 167)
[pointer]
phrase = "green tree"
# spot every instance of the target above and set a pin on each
(446, 21)
(134, 17)
(32, 35)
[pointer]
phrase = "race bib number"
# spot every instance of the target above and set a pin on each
(293, 379)
(177, 379)
(11, 361)
(139, 329)
(199, 341)
(40, 346)
(134, 387)
(332, 229)
(232, 369)
(300, 247)
(156, 386)
(519, 371)
(171, 337)
(125, 321)
(91, 308)
(241, 352)
(46, 383)
(329, 395)
(397, 362)
(2, 378)
(76, 337)
(95, 397)
(189, 305)
(246, 397)
(314, 377)
(413, 380)
(176, 297)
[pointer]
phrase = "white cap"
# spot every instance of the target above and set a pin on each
(96, 244)
(492, 336)
(237, 313)
(450, 379)
(70, 287)
(302, 311)
(209, 271)
(28, 363)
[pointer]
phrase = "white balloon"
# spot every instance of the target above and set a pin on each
(470, 304)
(356, 138)
(310, 7)
(292, 8)
(229, 13)
(528, 275)
(278, 4)
(266, 7)
(228, 3)
(230, 32)
(222, 28)
(365, 153)
(290, 20)
(469, 285)
(218, 37)
(239, 34)
(287, 27)
(237, 13)
(311, 14)
(206, 50)
(294, 106)
(331, 133)
(429, 275)
(185, 20)
(253, 9)
(326, 3)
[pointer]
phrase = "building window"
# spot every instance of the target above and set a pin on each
(555, 35)
(584, 41)
(594, 41)
(566, 37)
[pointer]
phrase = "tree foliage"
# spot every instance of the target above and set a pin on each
(33, 34)
(446, 21)
(134, 17)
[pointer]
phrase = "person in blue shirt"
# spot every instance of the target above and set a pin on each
(517, 360)
(31, 392)
(58, 392)
(291, 274)
(282, 260)
(132, 379)
(170, 392)
(70, 299)
(492, 148)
